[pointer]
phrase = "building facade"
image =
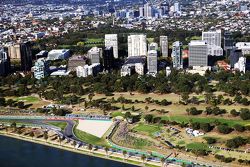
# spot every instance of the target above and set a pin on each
(164, 46)
(108, 59)
(213, 39)
(152, 62)
(177, 55)
(94, 55)
(41, 68)
(4, 62)
(198, 53)
(111, 40)
(137, 45)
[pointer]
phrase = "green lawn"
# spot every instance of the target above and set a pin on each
(186, 119)
(28, 99)
(149, 129)
(197, 146)
(117, 113)
(61, 125)
(88, 138)
(93, 40)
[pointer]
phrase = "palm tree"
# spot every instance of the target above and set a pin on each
(74, 143)
(162, 161)
(124, 152)
(143, 157)
(32, 134)
(45, 135)
(90, 147)
(19, 131)
(90, 96)
(107, 150)
(60, 139)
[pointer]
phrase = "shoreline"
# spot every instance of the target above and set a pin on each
(71, 149)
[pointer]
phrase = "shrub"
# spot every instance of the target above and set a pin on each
(239, 128)
(210, 140)
(224, 129)
(245, 113)
(236, 142)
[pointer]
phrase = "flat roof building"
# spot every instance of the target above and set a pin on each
(198, 53)
(137, 45)
(111, 40)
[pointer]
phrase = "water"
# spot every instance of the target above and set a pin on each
(18, 153)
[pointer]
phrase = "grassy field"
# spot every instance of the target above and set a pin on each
(61, 125)
(148, 129)
(88, 138)
(27, 99)
(197, 146)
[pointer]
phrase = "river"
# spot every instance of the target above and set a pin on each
(18, 153)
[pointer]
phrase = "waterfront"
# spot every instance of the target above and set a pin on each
(16, 153)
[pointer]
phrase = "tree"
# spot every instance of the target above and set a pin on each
(2, 101)
(210, 140)
(106, 150)
(32, 134)
(45, 135)
(224, 129)
(184, 98)
(163, 161)
(245, 113)
(143, 158)
(127, 115)
(239, 128)
(234, 113)
(133, 108)
(236, 142)
(149, 118)
(74, 143)
(90, 96)
(124, 152)
(206, 127)
(90, 147)
(146, 108)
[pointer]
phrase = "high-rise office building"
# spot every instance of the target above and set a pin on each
(141, 11)
(228, 41)
(111, 40)
(94, 55)
(198, 53)
(108, 59)
(21, 52)
(177, 55)
(147, 10)
(152, 62)
(164, 46)
(137, 45)
(213, 39)
(4, 62)
(41, 68)
(177, 7)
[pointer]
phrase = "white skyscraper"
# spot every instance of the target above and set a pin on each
(164, 46)
(153, 46)
(177, 55)
(147, 10)
(198, 53)
(152, 62)
(177, 7)
(213, 39)
(137, 45)
(112, 41)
